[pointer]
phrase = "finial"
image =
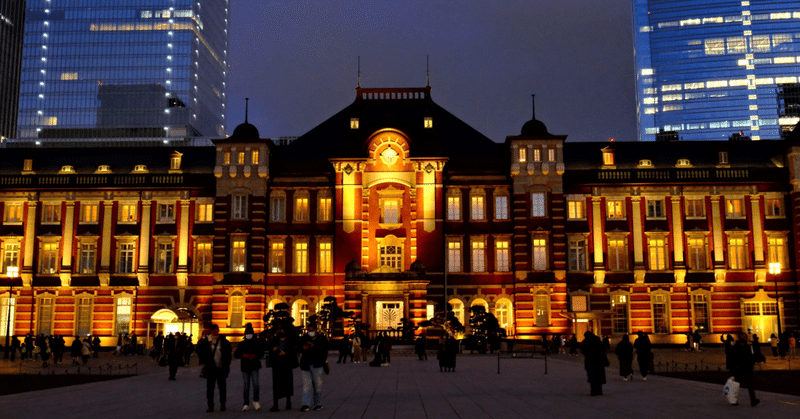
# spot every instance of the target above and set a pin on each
(359, 72)
(246, 100)
(533, 106)
(428, 70)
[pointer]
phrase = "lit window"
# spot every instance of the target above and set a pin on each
(11, 259)
(48, 258)
(238, 254)
(541, 303)
(715, 46)
(477, 211)
(695, 208)
(458, 309)
(619, 314)
(657, 252)
(660, 314)
(391, 211)
(538, 206)
(453, 255)
(277, 208)
(239, 207)
(164, 256)
(576, 210)
(617, 254)
(776, 251)
(203, 257)
(226, 157)
(254, 157)
(89, 213)
(51, 214)
(353, 123)
(276, 257)
(656, 208)
(577, 254)
(502, 311)
(325, 210)
(428, 123)
(537, 155)
(523, 154)
(8, 315)
(608, 157)
(325, 257)
(166, 213)
(392, 256)
(478, 256)
(501, 207)
(205, 212)
(551, 155)
(453, 208)
(88, 256)
(175, 163)
(13, 213)
(126, 258)
(539, 254)
(723, 157)
(301, 209)
(615, 209)
(700, 313)
(773, 207)
(734, 208)
(300, 313)
(697, 254)
(502, 256)
(236, 302)
(300, 257)
(44, 317)
(240, 158)
(737, 253)
(140, 168)
(127, 213)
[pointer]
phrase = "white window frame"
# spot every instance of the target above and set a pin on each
(660, 297)
(477, 254)
(122, 268)
(502, 254)
(277, 207)
(617, 262)
(620, 298)
(204, 212)
(11, 258)
(504, 313)
(615, 209)
(45, 318)
(90, 212)
(239, 207)
(694, 252)
(738, 253)
(325, 257)
(128, 213)
(324, 208)
(120, 311)
(501, 207)
(87, 257)
(80, 310)
(539, 254)
(165, 212)
(477, 206)
(455, 256)
(165, 256)
(541, 308)
(692, 205)
(538, 204)
(300, 253)
(51, 213)
(656, 208)
(301, 207)
(454, 205)
(277, 256)
(49, 264)
(580, 263)
(14, 212)
(203, 259)
(658, 253)
(576, 209)
(238, 253)
(696, 296)
(237, 309)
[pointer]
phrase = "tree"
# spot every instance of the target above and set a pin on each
(279, 318)
(485, 328)
(331, 316)
(446, 320)
(407, 327)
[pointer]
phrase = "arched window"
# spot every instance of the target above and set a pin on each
(502, 311)
(236, 309)
(300, 313)
(458, 309)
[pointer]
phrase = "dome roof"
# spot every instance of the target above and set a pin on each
(534, 128)
(245, 131)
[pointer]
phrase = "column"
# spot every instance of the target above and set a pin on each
(597, 239)
(182, 273)
(719, 248)
(104, 274)
(758, 238)
(677, 240)
(30, 242)
(143, 273)
(639, 269)
(69, 239)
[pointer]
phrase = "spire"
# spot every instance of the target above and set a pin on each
(533, 106)
(359, 73)
(246, 103)
(428, 70)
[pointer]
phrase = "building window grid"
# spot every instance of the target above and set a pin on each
(88, 256)
(734, 208)
(203, 256)
(89, 213)
(773, 207)
(301, 209)
(325, 209)
(776, 251)
(619, 314)
(238, 254)
(122, 315)
(13, 213)
(8, 314)
(657, 253)
(538, 205)
(51, 214)
(615, 210)
(391, 211)
(237, 308)
(695, 208)
(477, 208)
(239, 207)
(502, 256)
(83, 323)
(301, 257)
(277, 208)
(737, 253)
(127, 213)
(48, 259)
(277, 257)
(11, 259)
(478, 256)
(542, 307)
(325, 257)
(454, 256)
(576, 210)
(656, 209)
(501, 207)
(391, 256)
(523, 154)
(44, 318)
(166, 213)
(697, 256)
(205, 212)
(660, 314)
(127, 253)
(577, 254)
(453, 208)
(617, 254)
(502, 312)
(700, 313)
(164, 256)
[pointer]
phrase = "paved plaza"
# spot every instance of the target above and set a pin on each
(407, 389)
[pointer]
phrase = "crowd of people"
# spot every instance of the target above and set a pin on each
(50, 349)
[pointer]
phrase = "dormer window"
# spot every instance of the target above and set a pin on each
(608, 157)
(103, 168)
(683, 163)
(175, 161)
(428, 122)
(645, 164)
(353, 123)
(65, 170)
(240, 158)
(140, 168)
(723, 157)
(27, 165)
(254, 157)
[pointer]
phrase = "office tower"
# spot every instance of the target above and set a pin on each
(12, 20)
(706, 70)
(95, 68)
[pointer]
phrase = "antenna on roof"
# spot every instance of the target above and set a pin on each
(428, 70)
(246, 100)
(359, 72)
(533, 106)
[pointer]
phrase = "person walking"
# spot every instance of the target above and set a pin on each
(356, 349)
(773, 345)
(75, 350)
(573, 345)
(313, 348)
(624, 351)
(250, 352)
(215, 355)
(743, 362)
(644, 354)
(344, 350)
(282, 360)
(158, 345)
(595, 362)
(169, 354)
(386, 350)
(727, 342)
(419, 347)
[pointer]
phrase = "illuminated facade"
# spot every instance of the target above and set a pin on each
(144, 64)
(394, 206)
(12, 21)
(708, 69)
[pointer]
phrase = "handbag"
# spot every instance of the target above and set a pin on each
(326, 368)
(731, 391)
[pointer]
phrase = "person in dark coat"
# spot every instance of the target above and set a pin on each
(757, 355)
(697, 340)
(419, 347)
(172, 357)
(95, 347)
(313, 349)
(215, 355)
(573, 345)
(28, 341)
(282, 360)
(386, 349)
(742, 363)
(250, 352)
(594, 353)
(644, 353)
(624, 351)
(728, 342)
(344, 350)
(75, 350)
(15, 346)
(158, 345)
(377, 348)
(451, 350)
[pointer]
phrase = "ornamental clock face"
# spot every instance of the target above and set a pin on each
(389, 156)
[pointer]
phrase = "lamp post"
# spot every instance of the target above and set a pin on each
(8, 323)
(775, 269)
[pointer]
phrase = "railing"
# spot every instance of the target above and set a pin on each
(674, 175)
(94, 180)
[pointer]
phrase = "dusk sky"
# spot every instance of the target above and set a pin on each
(297, 62)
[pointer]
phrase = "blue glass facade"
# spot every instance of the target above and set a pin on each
(707, 69)
(124, 64)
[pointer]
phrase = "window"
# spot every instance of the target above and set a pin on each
(122, 316)
(127, 213)
(325, 213)
(428, 122)
(88, 253)
(238, 254)
(737, 253)
(723, 157)
(538, 206)
(254, 157)
(619, 314)
(44, 317)
(579, 303)
(392, 256)
(617, 254)
(236, 301)
(734, 208)
(523, 154)
(83, 316)
(276, 257)
(139, 168)
(502, 256)
(391, 211)
(203, 257)
(353, 123)
(48, 258)
(164, 257)
(502, 311)
(608, 157)
(773, 207)
(697, 254)
(240, 158)
(660, 313)
(126, 258)
(325, 257)
(51, 214)
(458, 309)
(776, 251)
(13, 213)
(300, 313)
(657, 252)
(537, 155)
(615, 209)
(695, 208)
(175, 162)
(477, 210)
(656, 208)
(576, 210)
(166, 213)
(453, 208)
(300, 257)
(11, 259)
(301, 209)
(205, 212)
(454, 255)
(577, 254)
(501, 207)
(551, 155)
(226, 157)
(478, 255)
(539, 254)
(89, 213)
(277, 208)
(8, 315)
(700, 313)
(239, 207)
(541, 303)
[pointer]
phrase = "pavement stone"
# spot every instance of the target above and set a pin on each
(407, 389)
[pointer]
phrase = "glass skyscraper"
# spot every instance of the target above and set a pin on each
(709, 69)
(104, 67)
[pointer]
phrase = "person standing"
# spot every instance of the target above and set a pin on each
(215, 355)
(86, 350)
(250, 352)
(419, 347)
(344, 350)
(644, 353)
(743, 362)
(697, 339)
(282, 360)
(595, 360)
(356, 351)
(313, 348)
(386, 349)
(15, 346)
(28, 346)
(792, 345)
(728, 342)
(96, 347)
(158, 345)
(169, 352)
(75, 350)
(573, 345)
(451, 351)
(773, 345)
(624, 351)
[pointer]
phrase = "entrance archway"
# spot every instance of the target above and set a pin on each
(181, 320)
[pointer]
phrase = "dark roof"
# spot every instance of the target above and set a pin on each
(245, 132)
(403, 109)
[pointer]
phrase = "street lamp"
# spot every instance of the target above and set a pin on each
(775, 269)
(8, 323)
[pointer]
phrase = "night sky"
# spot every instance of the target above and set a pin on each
(297, 62)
